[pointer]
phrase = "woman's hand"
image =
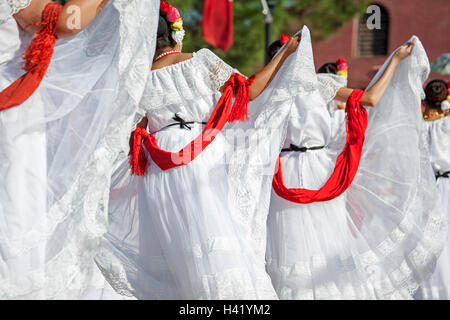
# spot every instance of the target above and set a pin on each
(373, 95)
(405, 50)
(291, 46)
(142, 124)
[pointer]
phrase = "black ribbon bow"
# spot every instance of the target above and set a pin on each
(183, 123)
(443, 175)
(295, 148)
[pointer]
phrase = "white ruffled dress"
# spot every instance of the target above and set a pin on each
(381, 238)
(181, 241)
(438, 286)
(199, 231)
(57, 149)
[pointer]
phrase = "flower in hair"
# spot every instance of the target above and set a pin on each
(164, 7)
(342, 67)
(173, 15)
(284, 38)
(177, 25)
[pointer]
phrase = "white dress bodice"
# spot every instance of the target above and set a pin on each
(310, 123)
(189, 89)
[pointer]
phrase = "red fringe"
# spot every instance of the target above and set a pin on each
(138, 160)
(240, 106)
(40, 52)
(37, 59)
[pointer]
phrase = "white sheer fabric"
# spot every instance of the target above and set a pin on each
(57, 152)
(381, 238)
(198, 231)
(438, 286)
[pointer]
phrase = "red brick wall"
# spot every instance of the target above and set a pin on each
(427, 19)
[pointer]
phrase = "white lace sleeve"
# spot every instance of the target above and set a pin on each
(219, 70)
(10, 7)
(329, 84)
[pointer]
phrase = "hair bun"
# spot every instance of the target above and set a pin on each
(436, 91)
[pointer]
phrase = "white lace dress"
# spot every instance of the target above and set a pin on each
(381, 238)
(438, 286)
(199, 231)
(176, 237)
(57, 149)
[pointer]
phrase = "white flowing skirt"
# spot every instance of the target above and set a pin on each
(172, 234)
(310, 245)
(357, 246)
(58, 148)
(438, 286)
(382, 237)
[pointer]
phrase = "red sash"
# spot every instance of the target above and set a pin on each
(37, 58)
(225, 111)
(346, 164)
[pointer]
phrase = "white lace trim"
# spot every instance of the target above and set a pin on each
(329, 85)
(398, 283)
(201, 76)
(10, 7)
(17, 5)
(233, 283)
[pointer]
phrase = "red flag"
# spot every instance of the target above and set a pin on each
(217, 25)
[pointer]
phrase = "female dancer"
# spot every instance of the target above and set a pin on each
(380, 238)
(180, 231)
(437, 119)
(60, 134)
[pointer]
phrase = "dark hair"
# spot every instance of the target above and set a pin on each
(273, 49)
(329, 67)
(436, 91)
(164, 38)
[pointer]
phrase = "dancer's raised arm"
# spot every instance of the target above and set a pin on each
(75, 16)
(374, 94)
(263, 77)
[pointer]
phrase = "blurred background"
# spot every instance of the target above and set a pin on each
(338, 28)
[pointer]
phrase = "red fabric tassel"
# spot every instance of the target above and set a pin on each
(240, 111)
(346, 164)
(37, 59)
(222, 113)
(138, 159)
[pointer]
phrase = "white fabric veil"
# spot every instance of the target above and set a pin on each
(252, 163)
(58, 149)
(398, 200)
